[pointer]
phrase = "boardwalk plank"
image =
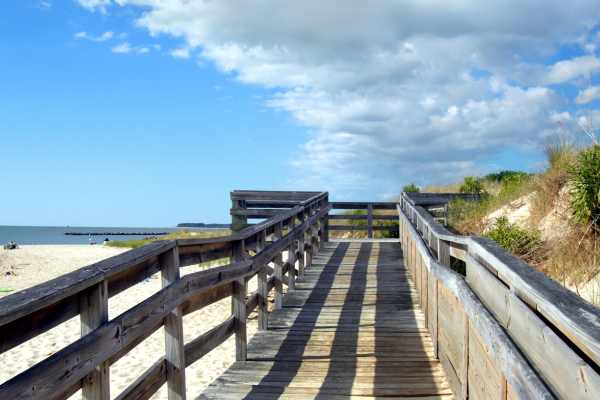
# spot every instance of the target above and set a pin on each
(351, 329)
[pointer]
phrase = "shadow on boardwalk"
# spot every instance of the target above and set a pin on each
(350, 329)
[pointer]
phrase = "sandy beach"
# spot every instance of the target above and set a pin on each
(31, 265)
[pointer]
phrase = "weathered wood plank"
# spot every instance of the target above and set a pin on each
(204, 344)
(317, 349)
(563, 370)
(173, 326)
(94, 313)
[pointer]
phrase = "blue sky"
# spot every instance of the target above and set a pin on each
(147, 113)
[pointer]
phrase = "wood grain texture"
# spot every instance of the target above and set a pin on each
(173, 325)
(353, 327)
(94, 313)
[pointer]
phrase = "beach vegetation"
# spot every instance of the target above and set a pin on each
(183, 234)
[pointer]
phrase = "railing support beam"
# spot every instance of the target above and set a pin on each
(94, 312)
(174, 344)
(239, 305)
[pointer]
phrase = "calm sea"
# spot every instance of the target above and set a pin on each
(56, 234)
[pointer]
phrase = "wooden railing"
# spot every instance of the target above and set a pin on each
(505, 330)
(254, 251)
(370, 216)
(261, 204)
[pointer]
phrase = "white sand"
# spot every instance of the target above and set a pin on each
(31, 265)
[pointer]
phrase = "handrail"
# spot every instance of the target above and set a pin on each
(514, 366)
(30, 312)
(508, 285)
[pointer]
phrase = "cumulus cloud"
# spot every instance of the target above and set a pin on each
(567, 70)
(392, 92)
(588, 95)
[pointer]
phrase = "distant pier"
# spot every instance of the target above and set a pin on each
(115, 233)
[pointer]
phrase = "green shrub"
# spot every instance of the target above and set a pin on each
(513, 186)
(465, 217)
(472, 185)
(585, 187)
(503, 176)
(411, 188)
(521, 242)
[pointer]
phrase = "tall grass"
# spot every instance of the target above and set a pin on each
(571, 181)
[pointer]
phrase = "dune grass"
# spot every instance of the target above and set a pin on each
(573, 257)
(183, 234)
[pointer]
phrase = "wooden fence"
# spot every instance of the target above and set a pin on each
(366, 221)
(505, 331)
(254, 251)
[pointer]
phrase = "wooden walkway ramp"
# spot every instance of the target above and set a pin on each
(351, 329)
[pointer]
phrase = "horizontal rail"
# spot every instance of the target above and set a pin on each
(369, 217)
(362, 216)
(357, 228)
(353, 205)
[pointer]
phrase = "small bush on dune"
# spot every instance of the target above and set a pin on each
(472, 185)
(466, 217)
(521, 242)
(505, 175)
(411, 188)
(585, 187)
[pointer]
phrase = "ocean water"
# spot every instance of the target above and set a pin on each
(56, 234)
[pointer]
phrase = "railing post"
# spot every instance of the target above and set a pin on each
(326, 222)
(263, 311)
(238, 222)
(239, 305)
(278, 269)
(93, 305)
(174, 344)
(308, 242)
(301, 258)
(443, 251)
(370, 221)
(292, 259)
(319, 233)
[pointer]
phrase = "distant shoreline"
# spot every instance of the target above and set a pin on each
(116, 233)
(203, 225)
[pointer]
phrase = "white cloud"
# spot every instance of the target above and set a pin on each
(126, 48)
(567, 70)
(182, 52)
(560, 117)
(95, 5)
(101, 38)
(123, 48)
(588, 95)
(392, 92)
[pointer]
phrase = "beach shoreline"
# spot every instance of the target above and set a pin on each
(34, 264)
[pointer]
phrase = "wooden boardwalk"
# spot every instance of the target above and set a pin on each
(351, 329)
